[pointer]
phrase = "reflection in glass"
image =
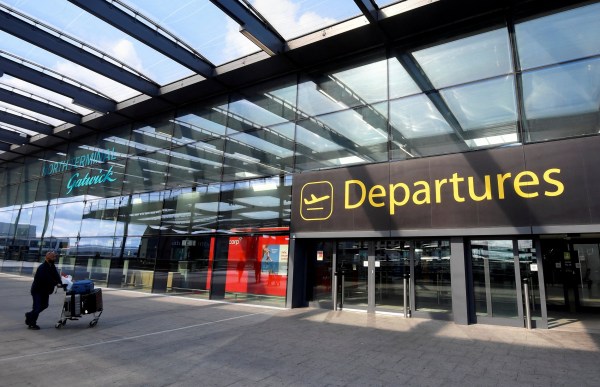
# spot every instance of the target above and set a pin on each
(366, 84)
(321, 270)
(588, 283)
(139, 259)
(559, 38)
(433, 292)
(401, 83)
(475, 57)
(392, 262)
(364, 126)
(189, 266)
(484, 105)
(344, 89)
(494, 286)
(562, 101)
(417, 117)
(100, 217)
(351, 256)
(254, 205)
(257, 268)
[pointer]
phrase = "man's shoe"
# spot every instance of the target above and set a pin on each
(27, 319)
(34, 327)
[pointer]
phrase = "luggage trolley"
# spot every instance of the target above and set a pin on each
(80, 300)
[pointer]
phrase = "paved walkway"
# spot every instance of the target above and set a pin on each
(150, 340)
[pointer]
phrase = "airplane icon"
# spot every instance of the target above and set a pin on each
(314, 199)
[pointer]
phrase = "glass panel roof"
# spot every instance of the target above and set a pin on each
(464, 60)
(383, 3)
(295, 18)
(44, 93)
(417, 117)
(352, 125)
(40, 117)
(47, 59)
(200, 24)
(484, 104)
(401, 84)
(560, 37)
(563, 90)
(84, 26)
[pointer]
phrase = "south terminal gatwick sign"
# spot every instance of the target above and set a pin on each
(539, 184)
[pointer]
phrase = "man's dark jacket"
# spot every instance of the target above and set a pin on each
(45, 279)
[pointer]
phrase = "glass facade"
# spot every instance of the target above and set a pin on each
(187, 200)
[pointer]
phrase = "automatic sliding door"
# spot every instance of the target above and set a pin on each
(392, 262)
(352, 259)
(494, 278)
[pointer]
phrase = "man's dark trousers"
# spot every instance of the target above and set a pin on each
(40, 303)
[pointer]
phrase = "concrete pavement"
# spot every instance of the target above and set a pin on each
(150, 340)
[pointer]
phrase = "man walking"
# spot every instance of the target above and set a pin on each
(45, 279)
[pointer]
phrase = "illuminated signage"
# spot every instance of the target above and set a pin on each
(513, 187)
(453, 188)
(88, 180)
(84, 160)
(91, 178)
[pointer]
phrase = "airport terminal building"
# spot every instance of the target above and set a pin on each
(437, 157)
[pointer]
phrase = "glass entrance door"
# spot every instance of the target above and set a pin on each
(572, 274)
(392, 263)
(374, 272)
(353, 264)
(499, 269)
(587, 278)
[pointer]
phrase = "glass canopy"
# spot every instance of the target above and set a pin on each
(460, 93)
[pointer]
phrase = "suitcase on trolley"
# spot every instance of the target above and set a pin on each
(91, 302)
(82, 287)
(72, 305)
(76, 305)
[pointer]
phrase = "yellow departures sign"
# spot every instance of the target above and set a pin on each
(525, 184)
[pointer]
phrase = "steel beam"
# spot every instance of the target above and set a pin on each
(147, 35)
(80, 96)
(369, 9)
(253, 27)
(35, 35)
(12, 137)
(418, 75)
(25, 123)
(38, 106)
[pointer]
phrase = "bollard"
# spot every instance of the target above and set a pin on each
(405, 299)
(527, 309)
(335, 292)
(342, 297)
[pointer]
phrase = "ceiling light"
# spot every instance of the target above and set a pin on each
(350, 160)
(264, 187)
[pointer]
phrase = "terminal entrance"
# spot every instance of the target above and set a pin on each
(370, 274)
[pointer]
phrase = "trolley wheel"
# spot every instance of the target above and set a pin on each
(93, 323)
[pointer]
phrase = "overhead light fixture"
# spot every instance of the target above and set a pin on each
(263, 187)
(256, 41)
(350, 160)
